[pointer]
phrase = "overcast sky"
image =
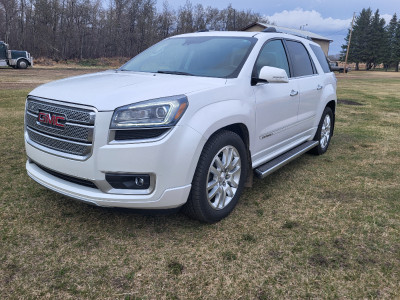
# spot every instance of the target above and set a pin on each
(328, 18)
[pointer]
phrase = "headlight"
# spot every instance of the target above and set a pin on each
(153, 113)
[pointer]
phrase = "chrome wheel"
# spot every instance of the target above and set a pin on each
(223, 177)
(325, 132)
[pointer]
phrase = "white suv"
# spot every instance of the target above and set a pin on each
(182, 123)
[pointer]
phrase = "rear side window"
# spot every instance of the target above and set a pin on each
(273, 54)
(321, 58)
(301, 62)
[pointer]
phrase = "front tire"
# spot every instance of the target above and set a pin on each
(22, 64)
(219, 178)
(324, 132)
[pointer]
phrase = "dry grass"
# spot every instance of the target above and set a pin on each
(103, 62)
(322, 227)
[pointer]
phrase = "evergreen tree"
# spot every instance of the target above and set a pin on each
(396, 47)
(376, 38)
(388, 57)
(358, 51)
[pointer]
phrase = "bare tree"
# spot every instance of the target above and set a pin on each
(65, 29)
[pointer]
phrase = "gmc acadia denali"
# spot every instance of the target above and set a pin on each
(183, 123)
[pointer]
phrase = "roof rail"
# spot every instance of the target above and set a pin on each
(203, 30)
(273, 29)
(270, 29)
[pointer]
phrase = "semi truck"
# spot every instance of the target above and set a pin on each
(14, 58)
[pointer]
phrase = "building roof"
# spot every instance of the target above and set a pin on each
(299, 32)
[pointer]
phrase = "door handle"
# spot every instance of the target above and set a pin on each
(294, 93)
(319, 87)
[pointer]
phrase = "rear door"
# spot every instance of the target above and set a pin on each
(310, 85)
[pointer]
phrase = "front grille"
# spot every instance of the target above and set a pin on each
(74, 138)
(72, 179)
(75, 132)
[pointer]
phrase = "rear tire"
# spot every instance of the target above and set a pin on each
(324, 132)
(219, 178)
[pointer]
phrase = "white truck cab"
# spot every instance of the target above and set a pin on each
(183, 123)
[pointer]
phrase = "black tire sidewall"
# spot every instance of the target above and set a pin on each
(327, 111)
(198, 193)
(19, 64)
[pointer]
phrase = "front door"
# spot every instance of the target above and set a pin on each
(276, 104)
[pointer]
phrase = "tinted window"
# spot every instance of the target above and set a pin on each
(3, 51)
(272, 55)
(200, 56)
(321, 58)
(300, 59)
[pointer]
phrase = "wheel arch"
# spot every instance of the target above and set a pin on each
(22, 58)
(241, 130)
(332, 105)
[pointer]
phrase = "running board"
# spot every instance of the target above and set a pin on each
(278, 162)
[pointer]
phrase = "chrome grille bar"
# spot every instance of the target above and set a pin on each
(74, 138)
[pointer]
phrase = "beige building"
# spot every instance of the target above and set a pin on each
(319, 39)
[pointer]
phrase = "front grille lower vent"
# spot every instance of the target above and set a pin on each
(65, 177)
(75, 137)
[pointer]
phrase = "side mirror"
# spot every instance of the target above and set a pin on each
(271, 74)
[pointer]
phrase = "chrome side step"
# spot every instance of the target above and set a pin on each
(278, 162)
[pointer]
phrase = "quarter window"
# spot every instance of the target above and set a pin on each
(272, 55)
(301, 62)
(321, 58)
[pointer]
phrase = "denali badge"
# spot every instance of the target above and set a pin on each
(46, 118)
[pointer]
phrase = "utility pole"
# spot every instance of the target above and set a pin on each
(348, 45)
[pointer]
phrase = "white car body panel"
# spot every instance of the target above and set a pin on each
(111, 89)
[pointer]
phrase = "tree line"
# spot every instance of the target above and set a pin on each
(373, 41)
(66, 29)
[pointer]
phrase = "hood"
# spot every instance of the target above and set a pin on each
(111, 89)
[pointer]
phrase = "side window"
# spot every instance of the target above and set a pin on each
(321, 58)
(273, 54)
(301, 63)
(3, 51)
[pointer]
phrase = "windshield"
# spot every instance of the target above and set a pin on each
(198, 56)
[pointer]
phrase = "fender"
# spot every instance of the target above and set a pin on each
(215, 116)
(328, 95)
(24, 58)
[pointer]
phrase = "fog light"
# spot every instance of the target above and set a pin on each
(129, 181)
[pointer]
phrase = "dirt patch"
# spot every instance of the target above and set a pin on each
(11, 79)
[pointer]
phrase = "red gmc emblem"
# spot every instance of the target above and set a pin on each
(51, 119)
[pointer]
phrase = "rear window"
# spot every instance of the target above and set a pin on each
(302, 65)
(321, 58)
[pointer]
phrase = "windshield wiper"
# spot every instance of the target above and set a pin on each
(174, 72)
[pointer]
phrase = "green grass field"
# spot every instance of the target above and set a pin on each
(321, 227)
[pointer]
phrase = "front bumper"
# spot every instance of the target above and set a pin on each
(170, 161)
(170, 198)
